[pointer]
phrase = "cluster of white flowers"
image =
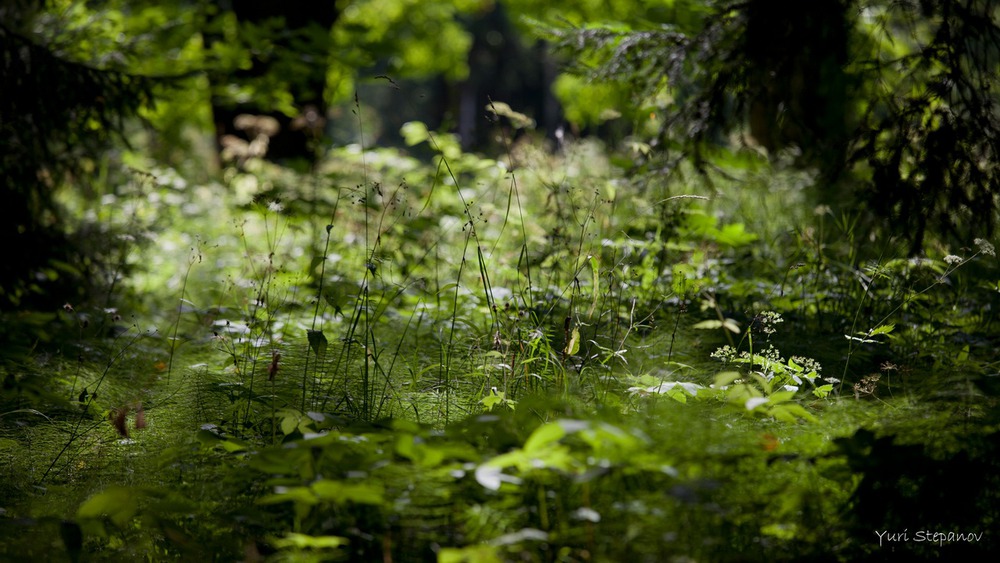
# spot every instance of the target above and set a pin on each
(767, 320)
(725, 354)
(808, 364)
(985, 247)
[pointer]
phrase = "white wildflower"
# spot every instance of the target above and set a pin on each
(985, 247)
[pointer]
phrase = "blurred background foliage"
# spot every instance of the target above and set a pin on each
(892, 103)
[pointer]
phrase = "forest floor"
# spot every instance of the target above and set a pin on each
(537, 358)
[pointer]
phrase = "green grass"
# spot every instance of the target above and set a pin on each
(475, 359)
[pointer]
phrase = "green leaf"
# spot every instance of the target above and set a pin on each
(785, 532)
(290, 420)
(421, 452)
(734, 235)
(543, 436)
(303, 541)
(317, 341)
(492, 400)
(685, 280)
(478, 553)
(298, 495)
(282, 460)
(208, 438)
(119, 504)
(781, 396)
(782, 413)
(610, 441)
(725, 378)
(446, 288)
(517, 120)
(573, 346)
(414, 133)
(711, 324)
(963, 356)
(823, 390)
(233, 445)
(339, 491)
(882, 329)
(796, 411)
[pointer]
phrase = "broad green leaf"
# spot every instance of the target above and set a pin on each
(725, 378)
(517, 120)
(963, 356)
(731, 325)
(611, 441)
(414, 133)
(543, 436)
(683, 283)
(119, 504)
(796, 411)
(492, 400)
(786, 532)
(677, 394)
(781, 396)
(781, 412)
(233, 445)
(447, 288)
(289, 421)
(573, 346)
(303, 541)
(675, 389)
(317, 341)
(556, 457)
(279, 461)
(823, 390)
(481, 553)
(298, 495)
(734, 235)
(882, 329)
(339, 491)
(208, 438)
(421, 452)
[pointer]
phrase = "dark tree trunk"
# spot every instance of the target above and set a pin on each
(503, 69)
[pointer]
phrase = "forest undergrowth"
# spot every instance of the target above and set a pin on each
(549, 356)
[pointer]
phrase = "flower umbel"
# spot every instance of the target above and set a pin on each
(985, 247)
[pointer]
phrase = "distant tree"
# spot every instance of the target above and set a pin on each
(282, 51)
(896, 98)
(289, 61)
(504, 68)
(57, 115)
